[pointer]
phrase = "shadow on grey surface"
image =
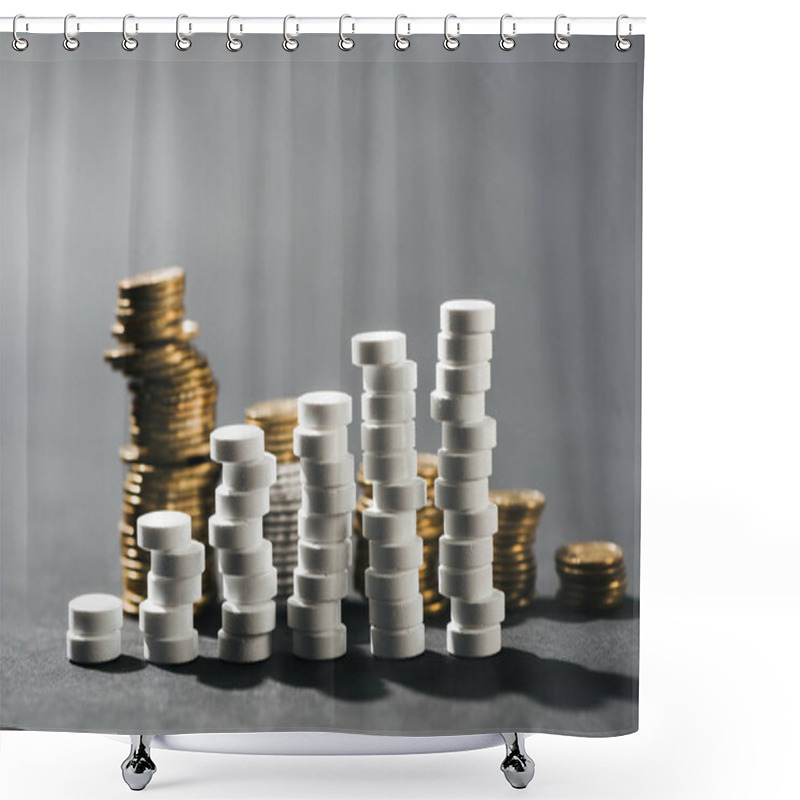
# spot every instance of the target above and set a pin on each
(549, 608)
(123, 664)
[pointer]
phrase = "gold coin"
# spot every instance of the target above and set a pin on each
(589, 555)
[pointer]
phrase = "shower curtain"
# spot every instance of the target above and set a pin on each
(311, 195)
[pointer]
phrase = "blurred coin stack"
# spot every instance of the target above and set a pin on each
(429, 529)
(325, 520)
(463, 376)
(278, 419)
(388, 436)
(174, 583)
(173, 405)
(249, 581)
(514, 564)
(593, 576)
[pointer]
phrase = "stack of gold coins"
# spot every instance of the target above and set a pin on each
(593, 576)
(173, 410)
(278, 419)
(514, 564)
(430, 525)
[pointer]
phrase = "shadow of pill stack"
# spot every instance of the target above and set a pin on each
(593, 576)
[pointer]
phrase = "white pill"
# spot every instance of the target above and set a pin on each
(248, 619)
(165, 622)
(481, 613)
(324, 409)
(378, 347)
(164, 530)
(313, 617)
(174, 591)
(171, 651)
(321, 444)
(402, 496)
(320, 557)
(237, 649)
(459, 467)
(232, 443)
(397, 644)
(389, 527)
(401, 377)
(471, 524)
(83, 649)
(253, 561)
(473, 642)
(250, 589)
(468, 436)
(386, 437)
(463, 378)
(387, 557)
(324, 527)
(465, 553)
(95, 614)
(397, 407)
(234, 534)
(401, 465)
(183, 563)
(457, 407)
(246, 475)
(322, 646)
(329, 499)
(241, 505)
(464, 348)
(394, 614)
(467, 316)
(399, 585)
(317, 587)
(462, 496)
(328, 473)
(469, 584)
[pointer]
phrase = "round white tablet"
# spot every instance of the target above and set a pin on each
(394, 614)
(397, 644)
(232, 443)
(467, 316)
(388, 557)
(322, 646)
(325, 558)
(403, 496)
(400, 377)
(385, 437)
(482, 613)
(243, 476)
(329, 499)
(400, 585)
(243, 649)
(464, 348)
(95, 614)
(253, 561)
(320, 444)
(234, 534)
(469, 584)
(230, 504)
(164, 530)
(468, 436)
(328, 473)
(457, 407)
(185, 563)
(400, 465)
(82, 649)
(315, 587)
(462, 496)
(457, 467)
(395, 407)
(389, 527)
(253, 619)
(471, 524)
(465, 553)
(250, 589)
(315, 617)
(165, 622)
(171, 651)
(174, 591)
(473, 642)
(378, 347)
(324, 527)
(464, 378)
(325, 409)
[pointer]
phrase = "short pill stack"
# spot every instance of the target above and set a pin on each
(177, 561)
(249, 581)
(95, 625)
(462, 489)
(388, 434)
(324, 523)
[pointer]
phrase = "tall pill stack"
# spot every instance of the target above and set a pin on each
(249, 581)
(95, 629)
(388, 435)
(166, 617)
(324, 523)
(463, 376)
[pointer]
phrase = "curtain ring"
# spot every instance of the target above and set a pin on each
(560, 42)
(182, 42)
(290, 44)
(17, 42)
(622, 44)
(129, 43)
(451, 42)
(507, 42)
(70, 42)
(345, 42)
(401, 42)
(233, 44)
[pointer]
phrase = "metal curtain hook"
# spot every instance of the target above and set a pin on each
(560, 42)
(181, 42)
(345, 42)
(17, 42)
(233, 44)
(451, 42)
(290, 44)
(401, 42)
(622, 44)
(129, 42)
(507, 42)
(70, 42)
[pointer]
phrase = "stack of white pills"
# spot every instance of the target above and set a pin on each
(249, 581)
(388, 433)
(95, 625)
(177, 561)
(463, 376)
(324, 525)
